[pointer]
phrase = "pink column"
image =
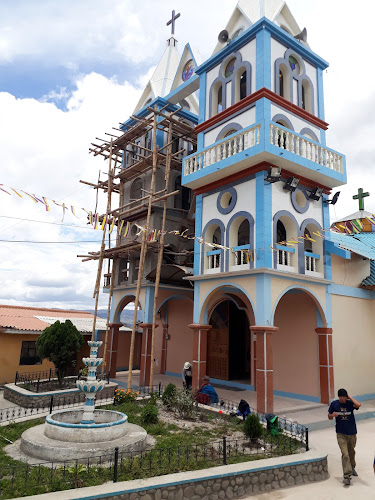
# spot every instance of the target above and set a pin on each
(327, 389)
(199, 353)
(112, 346)
(164, 350)
(264, 367)
(144, 376)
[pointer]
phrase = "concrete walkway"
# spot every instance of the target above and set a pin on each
(362, 487)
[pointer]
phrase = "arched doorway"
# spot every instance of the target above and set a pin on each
(228, 342)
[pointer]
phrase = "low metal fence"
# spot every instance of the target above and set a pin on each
(121, 466)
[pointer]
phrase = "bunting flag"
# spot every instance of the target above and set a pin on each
(31, 196)
(111, 226)
(44, 202)
(104, 223)
(17, 193)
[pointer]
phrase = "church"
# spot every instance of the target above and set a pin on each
(266, 296)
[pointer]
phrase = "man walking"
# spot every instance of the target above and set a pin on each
(342, 410)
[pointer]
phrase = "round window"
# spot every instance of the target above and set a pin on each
(300, 199)
(188, 70)
(294, 64)
(229, 69)
(226, 200)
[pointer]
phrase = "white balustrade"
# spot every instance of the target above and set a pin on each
(241, 257)
(311, 263)
(214, 261)
(300, 146)
(244, 139)
(283, 257)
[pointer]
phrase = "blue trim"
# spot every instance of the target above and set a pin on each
(242, 247)
(320, 93)
(197, 306)
(214, 252)
(263, 60)
(279, 117)
(50, 420)
(202, 97)
(219, 223)
(310, 254)
(340, 252)
(307, 130)
(350, 291)
(287, 249)
(293, 199)
(149, 304)
(173, 374)
(276, 32)
(365, 397)
(198, 233)
(263, 232)
(229, 383)
(232, 203)
(263, 300)
(304, 397)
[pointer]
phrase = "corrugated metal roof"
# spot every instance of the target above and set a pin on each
(361, 214)
(362, 243)
(37, 319)
(370, 280)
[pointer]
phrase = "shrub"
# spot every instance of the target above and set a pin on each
(122, 396)
(154, 396)
(184, 404)
(149, 414)
(169, 396)
(252, 427)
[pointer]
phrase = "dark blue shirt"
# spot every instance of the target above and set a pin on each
(345, 422)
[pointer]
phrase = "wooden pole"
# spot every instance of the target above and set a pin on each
(100, 264)
(160, 256)
(143, 250)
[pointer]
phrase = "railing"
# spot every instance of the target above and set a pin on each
(311, 261)
(123, 466)
(244, 139)
(284, 255)
(213, 259)
(302, 146)
(69, 401)
(36, 381)
(241, 255)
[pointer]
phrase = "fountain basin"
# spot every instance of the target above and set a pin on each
(65, 425)
(90, 386)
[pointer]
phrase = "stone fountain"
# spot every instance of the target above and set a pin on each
(85, 433)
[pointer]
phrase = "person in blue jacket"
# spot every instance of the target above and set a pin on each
(346, 430)
(209, 392)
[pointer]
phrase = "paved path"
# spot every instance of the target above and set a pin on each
(362, 487)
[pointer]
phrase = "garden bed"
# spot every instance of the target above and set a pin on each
(200, 441)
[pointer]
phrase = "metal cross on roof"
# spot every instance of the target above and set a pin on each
(172, 21)
(360, 197)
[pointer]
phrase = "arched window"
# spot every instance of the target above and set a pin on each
(306, 96)
(136, 190)
(182, 199)
(281, 233)
(243, 81)
(213, 256)
(307, 243)
(220, 99)
(281, 84)
(244, 233)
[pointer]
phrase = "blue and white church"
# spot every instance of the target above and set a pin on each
(271, 300)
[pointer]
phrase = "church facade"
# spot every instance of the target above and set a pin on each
(264, 297)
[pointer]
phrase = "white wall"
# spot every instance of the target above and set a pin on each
(298, 123)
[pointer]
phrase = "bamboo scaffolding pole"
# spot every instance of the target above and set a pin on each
(143, 254)
(100, 264)
(160, 257)
(155, 200)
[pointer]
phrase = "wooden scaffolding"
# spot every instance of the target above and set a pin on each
(145, 159)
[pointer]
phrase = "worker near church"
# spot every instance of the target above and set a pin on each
(187, 376)
(342, 410)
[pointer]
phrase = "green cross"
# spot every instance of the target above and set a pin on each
(360, 197)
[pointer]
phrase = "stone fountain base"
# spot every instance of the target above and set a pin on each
(63, 437)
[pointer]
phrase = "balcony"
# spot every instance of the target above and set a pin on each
(265, 142)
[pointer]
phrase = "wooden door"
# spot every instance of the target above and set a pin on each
(218, 353)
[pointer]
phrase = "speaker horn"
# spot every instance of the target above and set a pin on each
(302, 37)
(223, 36)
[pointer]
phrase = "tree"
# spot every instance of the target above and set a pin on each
(60, 343)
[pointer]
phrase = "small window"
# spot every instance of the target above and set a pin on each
(29, 355)
(229, 68)
(175, 144)
(244, 233)
(307, 243)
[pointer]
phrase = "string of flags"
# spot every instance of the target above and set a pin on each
(105, 222)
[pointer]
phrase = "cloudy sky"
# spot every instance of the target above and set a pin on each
(70, 70)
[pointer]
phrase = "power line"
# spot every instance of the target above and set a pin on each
(53, 242)
(45, 222)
